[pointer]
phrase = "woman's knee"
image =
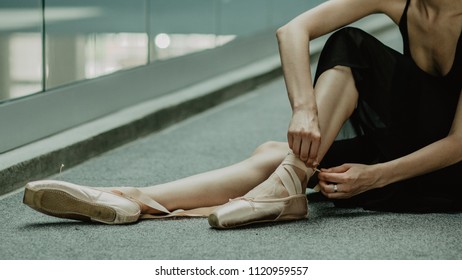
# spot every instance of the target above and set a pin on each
(349, 34)
(271, 147)
(343, 69)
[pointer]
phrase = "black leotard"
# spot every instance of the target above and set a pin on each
(401, 108)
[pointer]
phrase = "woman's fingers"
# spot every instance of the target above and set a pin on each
(313, 152)
(305, 149)
(346, 180)
(334, 174)
(332, 182)
(296, 146)
(332, 177)
(332, 190)
(299, 146)
(337, 169)
(304, 135)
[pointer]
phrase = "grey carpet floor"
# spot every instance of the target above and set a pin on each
(217, 138)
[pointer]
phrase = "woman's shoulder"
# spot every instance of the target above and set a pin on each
(333, 14)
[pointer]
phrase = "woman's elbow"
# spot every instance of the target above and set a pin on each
(281, 32)
(291, 30)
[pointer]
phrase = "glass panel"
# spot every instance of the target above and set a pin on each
(20, 48)
(90, 38)
(179, 27)
(244, 17)
(285, 10)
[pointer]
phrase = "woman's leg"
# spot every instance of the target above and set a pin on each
(67, 200)
(218, 186)
(336, 98)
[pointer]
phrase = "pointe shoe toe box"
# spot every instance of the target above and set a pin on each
(241, 212)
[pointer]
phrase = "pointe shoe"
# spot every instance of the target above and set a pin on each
(66, 200)
(254, 208)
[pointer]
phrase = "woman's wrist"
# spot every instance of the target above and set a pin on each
(304, 107)
(384, 176)
(303, 101)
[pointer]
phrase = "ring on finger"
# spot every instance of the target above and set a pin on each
(335, 187)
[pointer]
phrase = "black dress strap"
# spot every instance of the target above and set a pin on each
(403, 29)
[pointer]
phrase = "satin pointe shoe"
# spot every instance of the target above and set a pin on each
(67, 200)
(257, 207)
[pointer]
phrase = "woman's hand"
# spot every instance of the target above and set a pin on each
(348, 180)
(304, 136)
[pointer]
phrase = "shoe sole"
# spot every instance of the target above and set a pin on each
(63, 205)
(214, 221)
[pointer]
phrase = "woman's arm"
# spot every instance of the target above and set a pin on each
(293, 38)
(352, 179)
(437, 155)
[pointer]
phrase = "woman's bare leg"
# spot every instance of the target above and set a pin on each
(336, 97)
(218, 186)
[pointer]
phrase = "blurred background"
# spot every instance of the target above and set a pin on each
(64, 63)
(49, 43)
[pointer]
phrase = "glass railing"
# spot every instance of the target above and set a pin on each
(21, 55)
(46, 44)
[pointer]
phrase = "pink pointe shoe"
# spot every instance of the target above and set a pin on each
(70, 201)
(260, 208)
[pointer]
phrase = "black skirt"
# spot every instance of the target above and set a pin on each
(400, 110)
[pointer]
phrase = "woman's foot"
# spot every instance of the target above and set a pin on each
(70, 201)
(144, 209)
(280, 198)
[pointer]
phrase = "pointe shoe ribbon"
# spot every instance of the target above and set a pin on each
(136, 195)
(288, 176)
(256, 208)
